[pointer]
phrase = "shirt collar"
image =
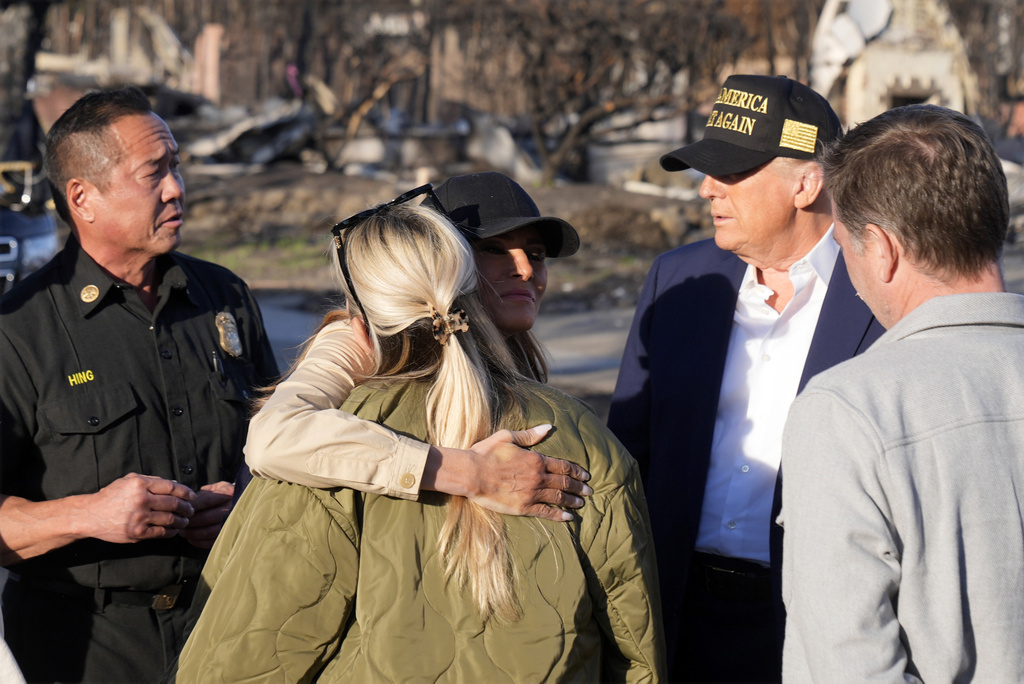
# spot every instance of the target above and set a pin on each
(91, 285)
(822, 257)
(173, 274)
(88, 283)
(821, 260)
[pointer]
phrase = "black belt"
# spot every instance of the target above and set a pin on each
(731, 578)
(163, 599)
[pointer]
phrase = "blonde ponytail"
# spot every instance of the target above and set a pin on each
(408, 264)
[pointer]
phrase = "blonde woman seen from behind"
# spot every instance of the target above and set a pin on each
(335, 585)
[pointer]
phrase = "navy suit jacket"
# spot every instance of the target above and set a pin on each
(665, 401)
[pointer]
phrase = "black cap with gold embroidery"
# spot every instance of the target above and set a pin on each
(754, 120)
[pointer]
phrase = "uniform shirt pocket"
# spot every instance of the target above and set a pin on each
(91, 412)
(231, 382)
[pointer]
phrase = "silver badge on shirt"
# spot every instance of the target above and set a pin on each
(229, 340)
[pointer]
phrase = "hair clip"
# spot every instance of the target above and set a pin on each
(445, 326)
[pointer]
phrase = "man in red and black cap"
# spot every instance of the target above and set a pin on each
(726, 332)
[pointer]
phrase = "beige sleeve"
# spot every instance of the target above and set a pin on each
(300, 436)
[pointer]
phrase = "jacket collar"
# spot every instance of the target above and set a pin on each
(1001, 309)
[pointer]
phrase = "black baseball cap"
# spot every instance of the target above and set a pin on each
(754, 120)
(486, 204)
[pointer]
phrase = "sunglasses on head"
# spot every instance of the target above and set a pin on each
(356, 219)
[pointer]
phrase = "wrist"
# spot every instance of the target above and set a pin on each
(79, 517)
(450, 471)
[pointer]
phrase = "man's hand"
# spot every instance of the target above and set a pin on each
(136, 507)
(498, 474)
(212, 505)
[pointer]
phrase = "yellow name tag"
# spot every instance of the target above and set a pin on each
(80, 377)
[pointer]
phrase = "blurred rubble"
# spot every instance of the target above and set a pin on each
(630, 205)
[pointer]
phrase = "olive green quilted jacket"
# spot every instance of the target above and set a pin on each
(338, 586)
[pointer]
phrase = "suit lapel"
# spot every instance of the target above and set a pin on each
(714, 304)
(710, 340)
(845, 327)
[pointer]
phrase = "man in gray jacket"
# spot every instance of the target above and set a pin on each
(903, 485)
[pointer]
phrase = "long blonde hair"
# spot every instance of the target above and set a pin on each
(407, 263)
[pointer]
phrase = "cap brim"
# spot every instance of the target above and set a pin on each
(560, 238)
(714, 158)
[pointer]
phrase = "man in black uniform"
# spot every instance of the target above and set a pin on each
(119, 357)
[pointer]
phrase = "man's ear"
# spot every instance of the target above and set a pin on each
(81, 196)
(885, 251)
(812, 183)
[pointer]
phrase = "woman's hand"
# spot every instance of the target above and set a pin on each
(499, 474)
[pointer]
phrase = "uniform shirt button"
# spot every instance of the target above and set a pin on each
(407, 480)
(177, 410)
(745, 469)
(166, 353)
(732, 524)
(187, 469)
(94, 421)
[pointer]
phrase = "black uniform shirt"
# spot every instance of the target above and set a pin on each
(94, 386)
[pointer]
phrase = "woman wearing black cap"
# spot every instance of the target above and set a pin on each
(299, 435)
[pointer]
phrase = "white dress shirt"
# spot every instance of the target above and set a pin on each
(765, 360)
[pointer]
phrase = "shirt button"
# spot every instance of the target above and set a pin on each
(177, 410)
(731, 524)
(166, 353)
(187, 469)
(407, 480)
(94, 421)
(745, 469)
(766, 358)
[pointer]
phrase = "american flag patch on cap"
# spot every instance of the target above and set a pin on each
(798, 136)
